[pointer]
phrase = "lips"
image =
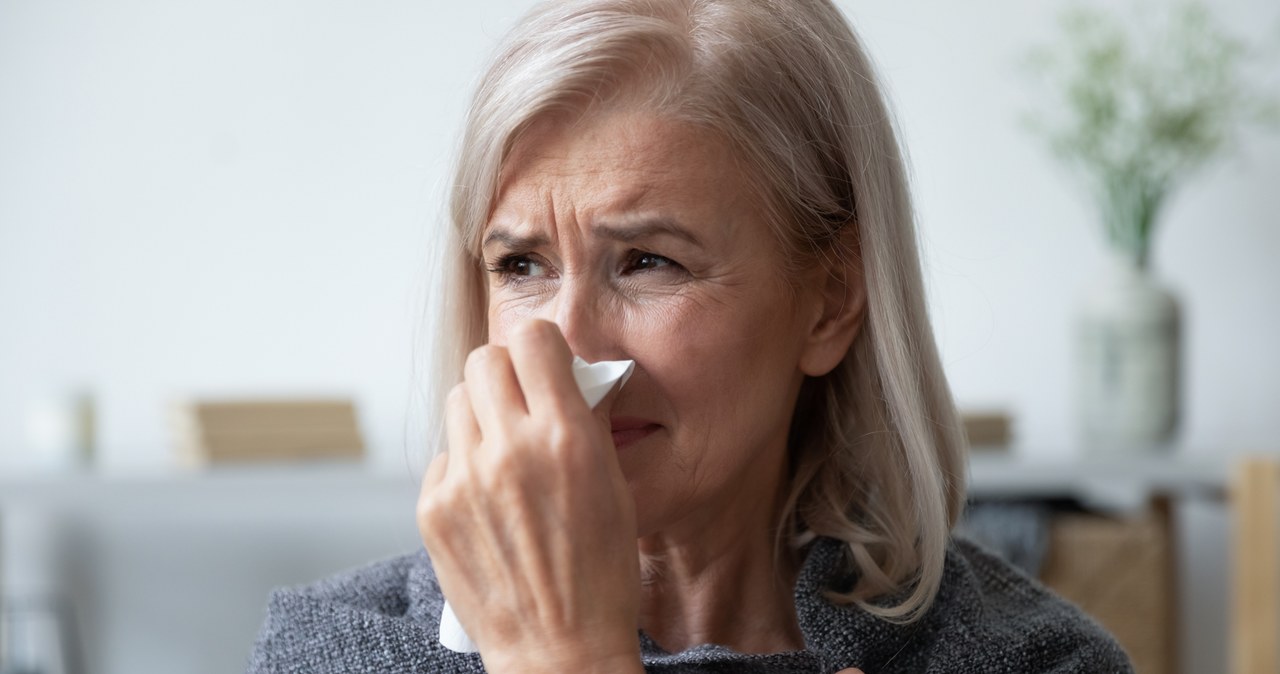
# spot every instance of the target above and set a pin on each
(629, 430)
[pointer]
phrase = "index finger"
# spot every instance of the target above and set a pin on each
(543, 364)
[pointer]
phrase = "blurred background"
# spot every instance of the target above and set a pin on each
(231, 201)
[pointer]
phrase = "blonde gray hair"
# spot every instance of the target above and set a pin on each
(877, 454)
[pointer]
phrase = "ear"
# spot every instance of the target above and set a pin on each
(840, 311)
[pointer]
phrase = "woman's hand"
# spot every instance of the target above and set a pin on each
(528, 520)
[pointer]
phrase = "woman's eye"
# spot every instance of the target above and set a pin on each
(642, 261)
(519, 265)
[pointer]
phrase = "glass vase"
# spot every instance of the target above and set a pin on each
(1128, 351)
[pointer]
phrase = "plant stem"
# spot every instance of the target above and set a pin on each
(1130, 202)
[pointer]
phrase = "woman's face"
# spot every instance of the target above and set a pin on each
(641, 239)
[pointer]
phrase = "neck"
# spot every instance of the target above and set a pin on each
(718, 580)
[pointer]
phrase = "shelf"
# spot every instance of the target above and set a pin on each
(238, 491)
(1118, 482)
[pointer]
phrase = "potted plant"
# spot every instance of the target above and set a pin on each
(1133, 114)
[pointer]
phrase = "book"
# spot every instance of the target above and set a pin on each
(235, 431)
(987, 430)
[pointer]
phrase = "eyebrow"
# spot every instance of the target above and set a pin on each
(514, 241)
(646, 228)
(637, 230)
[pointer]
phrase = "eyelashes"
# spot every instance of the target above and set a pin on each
(517, 265)
(638, 260)
(530, 267)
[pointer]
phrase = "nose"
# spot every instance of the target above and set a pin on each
(578, 308)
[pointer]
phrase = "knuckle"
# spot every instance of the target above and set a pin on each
(484, 357)
(561, 409)
(436, 470)
(425, 510)
(503, 474)
(518, 462)
(458, 397)
(438, 502)
(430, 513)
(565, 443)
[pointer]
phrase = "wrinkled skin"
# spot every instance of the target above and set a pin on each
(621, 235)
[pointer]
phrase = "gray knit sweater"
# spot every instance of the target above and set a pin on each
(987, 618)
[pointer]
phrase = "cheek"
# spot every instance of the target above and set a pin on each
(723, 377)
(712, 361)
(503, 315)
(499, 326)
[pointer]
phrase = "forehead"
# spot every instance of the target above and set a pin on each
(609, 164)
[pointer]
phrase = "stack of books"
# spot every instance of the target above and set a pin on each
(236, 431)
(987, 430)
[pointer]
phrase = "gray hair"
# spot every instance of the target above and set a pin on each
(877, 453)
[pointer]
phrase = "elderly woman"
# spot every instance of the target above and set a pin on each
(712, 189)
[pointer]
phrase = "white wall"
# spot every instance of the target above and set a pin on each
(221, 197)
(1009, 243)
(224, 197)
(234, 197)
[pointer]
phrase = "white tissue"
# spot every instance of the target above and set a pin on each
(452, 636)
(595, 380)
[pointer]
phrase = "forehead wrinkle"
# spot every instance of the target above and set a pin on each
(516, 217)
(616, 177)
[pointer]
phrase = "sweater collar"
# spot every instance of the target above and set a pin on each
(836, 636)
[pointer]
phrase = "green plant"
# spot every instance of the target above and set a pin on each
(1135, 112)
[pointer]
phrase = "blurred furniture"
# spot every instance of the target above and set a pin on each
(169, 571)
(1122, 570)
(221, 538)
(1255, 611)
(1113, 551)
(38, 636)
(37, 622)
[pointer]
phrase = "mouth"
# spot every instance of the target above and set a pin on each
(628, 431)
